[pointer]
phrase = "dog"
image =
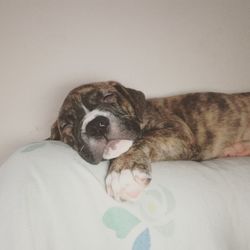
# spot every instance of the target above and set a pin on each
(99, 118)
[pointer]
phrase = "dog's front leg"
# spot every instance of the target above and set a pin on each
(130, 173)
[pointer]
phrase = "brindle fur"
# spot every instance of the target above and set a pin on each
(197, 126)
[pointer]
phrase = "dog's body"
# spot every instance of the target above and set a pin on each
(198, 126)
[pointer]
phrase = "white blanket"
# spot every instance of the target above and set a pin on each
(51, 199)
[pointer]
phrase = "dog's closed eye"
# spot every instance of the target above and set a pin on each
(63, 125)
(109, 97)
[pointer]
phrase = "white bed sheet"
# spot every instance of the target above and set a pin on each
(51, 199)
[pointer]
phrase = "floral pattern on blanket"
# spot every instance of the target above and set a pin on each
(155, 207)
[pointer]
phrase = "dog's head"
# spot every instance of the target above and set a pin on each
(96, 117)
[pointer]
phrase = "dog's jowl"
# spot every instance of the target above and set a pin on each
(106, 120)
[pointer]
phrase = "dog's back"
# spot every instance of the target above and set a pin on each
(217, 120)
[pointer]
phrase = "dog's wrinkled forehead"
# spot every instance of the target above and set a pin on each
(93, 95)
(105, 95)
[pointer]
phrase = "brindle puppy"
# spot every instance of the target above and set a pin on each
(96, 118)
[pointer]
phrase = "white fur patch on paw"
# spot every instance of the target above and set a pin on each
(114, 148)
(127, 185)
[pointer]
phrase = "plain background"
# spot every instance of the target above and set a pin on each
(162, 47)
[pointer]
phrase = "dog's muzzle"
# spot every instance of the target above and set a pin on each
(106, 136)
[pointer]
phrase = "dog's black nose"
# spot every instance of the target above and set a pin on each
(98, 126)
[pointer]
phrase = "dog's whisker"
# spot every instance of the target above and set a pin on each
(82, 148)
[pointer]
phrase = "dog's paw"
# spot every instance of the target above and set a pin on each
(127, 185)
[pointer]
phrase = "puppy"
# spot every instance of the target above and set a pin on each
(100, 118)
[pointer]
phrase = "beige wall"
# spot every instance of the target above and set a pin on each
(162, 47)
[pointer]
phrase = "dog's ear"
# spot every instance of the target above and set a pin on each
(55, 134)
(138, 101)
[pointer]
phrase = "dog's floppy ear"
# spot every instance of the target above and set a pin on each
(138, 101)
(54, 133)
